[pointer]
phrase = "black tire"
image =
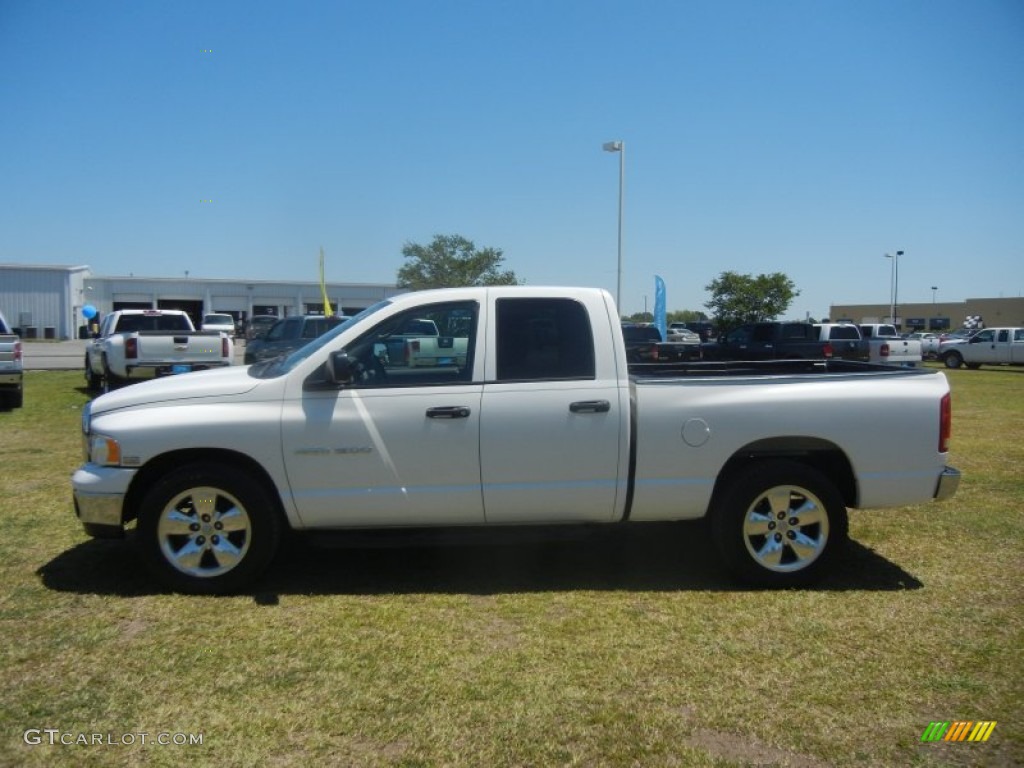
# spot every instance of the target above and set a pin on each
(93, 381)
(17, 398)
(208, 529)
(108, 381)
(952, 360)
(779, 524)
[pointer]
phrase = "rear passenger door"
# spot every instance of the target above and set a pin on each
(1017, 347)
(1002, 345)
(551, 429)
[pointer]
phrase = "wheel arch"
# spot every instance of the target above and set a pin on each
(154, 469)
(818, 453)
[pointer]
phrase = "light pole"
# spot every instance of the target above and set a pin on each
(620, 147)
(934, 289)
(894, 284)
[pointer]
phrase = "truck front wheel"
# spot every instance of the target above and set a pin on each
(207, 529)
(953, 360)
(780, 524)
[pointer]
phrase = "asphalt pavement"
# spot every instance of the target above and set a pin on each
(70, 355)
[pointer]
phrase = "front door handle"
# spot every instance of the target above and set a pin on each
(448, 412)
(590, 406)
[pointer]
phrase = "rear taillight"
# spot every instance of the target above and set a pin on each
(884, 350)
(945, 422)
(17, 351)
(224, 351)
(131, 348)
(828, 351)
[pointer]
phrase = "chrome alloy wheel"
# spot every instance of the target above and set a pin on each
(204, 532)
(786, 528)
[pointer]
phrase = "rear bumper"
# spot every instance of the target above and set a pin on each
(949, 481)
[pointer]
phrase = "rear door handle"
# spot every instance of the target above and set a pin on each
(590, 406)
(448, 412)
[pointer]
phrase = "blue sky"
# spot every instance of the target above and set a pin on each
(803, 137)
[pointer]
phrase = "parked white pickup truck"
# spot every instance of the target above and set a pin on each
(542, 423)
(887, 347)
(12, 392)
(160, 341)
(992, 346)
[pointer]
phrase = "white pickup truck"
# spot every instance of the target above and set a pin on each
(541, 424)
(12, 391)
(887, 347)
(159, 341)
(992, 346)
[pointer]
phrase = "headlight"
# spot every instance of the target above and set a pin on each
(105, 451)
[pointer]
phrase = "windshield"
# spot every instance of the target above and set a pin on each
(279, 366)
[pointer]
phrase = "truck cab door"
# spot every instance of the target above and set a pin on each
(553, 434)
(395, 446)
(981, 347)
(1002, 345)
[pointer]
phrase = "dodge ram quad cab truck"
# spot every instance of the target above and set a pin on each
(12, 392)
(887, 347)
(992, 346)
(769, 341)
(159, 342)
(543, 423)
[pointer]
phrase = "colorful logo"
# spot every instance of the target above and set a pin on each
(959, 730)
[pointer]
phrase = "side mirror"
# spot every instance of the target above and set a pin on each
(340, 368)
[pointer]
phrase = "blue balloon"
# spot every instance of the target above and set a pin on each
(89, 311)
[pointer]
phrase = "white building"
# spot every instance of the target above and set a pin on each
(46, 301)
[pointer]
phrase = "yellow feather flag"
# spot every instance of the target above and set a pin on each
(328, 312)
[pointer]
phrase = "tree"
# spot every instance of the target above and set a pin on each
(685, 316)
(450, 261)
(738, 299)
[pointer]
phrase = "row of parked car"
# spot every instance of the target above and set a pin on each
(877, 343)
(868, 342)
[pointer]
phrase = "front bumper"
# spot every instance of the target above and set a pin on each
(99, 494)
(949, 481)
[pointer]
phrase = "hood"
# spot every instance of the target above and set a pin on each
(215, 382)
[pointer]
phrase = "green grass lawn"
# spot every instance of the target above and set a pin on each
(623, 648)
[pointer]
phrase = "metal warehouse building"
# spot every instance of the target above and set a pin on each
(47, 301)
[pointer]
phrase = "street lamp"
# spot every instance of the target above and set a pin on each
(894, 284)
(620, 147)
(934, 289)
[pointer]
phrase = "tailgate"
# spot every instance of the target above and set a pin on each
(183, 347)
(8, 359)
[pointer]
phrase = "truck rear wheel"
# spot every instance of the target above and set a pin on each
(780, 524)
(93, 381)
(108, 381)
(207, 529)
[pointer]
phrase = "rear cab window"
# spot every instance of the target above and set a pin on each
(543, 339)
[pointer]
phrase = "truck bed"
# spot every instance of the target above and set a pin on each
(722, 368)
